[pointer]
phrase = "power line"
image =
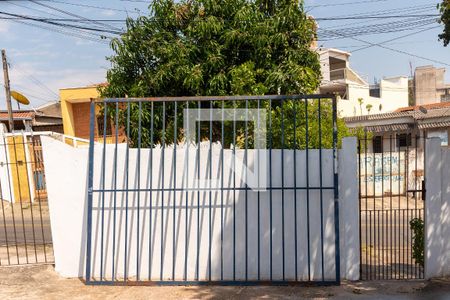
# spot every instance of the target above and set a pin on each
(93, 6)
(43, 20)
(69, 32)
(72, 14)
(345, 3)
(396, 38)
(65, 19)
(408, 10)
(34, 79)
(375, 17)
(398, 51)
(386, 27)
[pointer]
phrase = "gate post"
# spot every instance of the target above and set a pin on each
(349, 209)
(433, 205)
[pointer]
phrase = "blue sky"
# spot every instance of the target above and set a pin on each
(44, 61)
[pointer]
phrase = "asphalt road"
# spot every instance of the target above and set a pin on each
(25, 234)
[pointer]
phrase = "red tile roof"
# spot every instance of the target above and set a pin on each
(427, 106)
(18, 115)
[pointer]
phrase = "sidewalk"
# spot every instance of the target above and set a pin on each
(42, 282)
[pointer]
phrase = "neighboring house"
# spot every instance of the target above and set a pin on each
(21, 166)
(394, 146)
(430, 86)
(48, 118)
(405, 126)
(75, 108)
(339, 78)
(33, 120)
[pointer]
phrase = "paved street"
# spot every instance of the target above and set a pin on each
(25, 234)
(386, 237)
(42, 282)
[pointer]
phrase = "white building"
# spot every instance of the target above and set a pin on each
(356, 96)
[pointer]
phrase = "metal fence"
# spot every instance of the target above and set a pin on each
(174, 204)
(25, 235)
(391, 178)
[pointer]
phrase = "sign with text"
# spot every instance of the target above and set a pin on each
(382, 174)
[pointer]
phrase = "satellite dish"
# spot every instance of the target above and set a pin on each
(20, 98)
(423, 110)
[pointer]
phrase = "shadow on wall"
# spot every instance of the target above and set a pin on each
(153, 219)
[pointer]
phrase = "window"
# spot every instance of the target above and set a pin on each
(377, 143)
(404, 140)
(442, 134)
(374, 92)
(39, 180)
(101, 126)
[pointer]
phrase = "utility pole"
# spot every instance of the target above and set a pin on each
(7, 91)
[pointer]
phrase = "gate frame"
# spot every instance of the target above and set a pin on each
(94, 101)
(378, 272)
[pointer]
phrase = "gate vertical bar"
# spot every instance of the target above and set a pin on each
(127, 174)
(161, 272)
(175, 141)
(246, 189)
(308, 230)
(116, 117)
(270, 190)
(150, 252)
(295, 192)
(282, 190)
(186, 196)
(234, 191)
(90, 192)
(103, 176)
(336, 193)
(221, 190)
(360, 209)
(321, 191)
(259, 201)
(25, 144)
(210, 192)
(138, 217)
(198, 193)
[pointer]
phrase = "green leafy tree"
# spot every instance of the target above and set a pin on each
(444, 9)
(369, 108)
(213, 47)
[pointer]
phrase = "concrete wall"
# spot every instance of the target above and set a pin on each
(427, 81)
(66, 174)
(437, 210)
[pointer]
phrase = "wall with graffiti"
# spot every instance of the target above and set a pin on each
(390, 173)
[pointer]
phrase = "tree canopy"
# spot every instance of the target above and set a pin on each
(215, 47)
(444, 9)
(219, 47)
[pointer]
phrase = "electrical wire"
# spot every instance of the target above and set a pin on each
(70, 33)
(93, 6)
(398, 51)
(43, 20)
(73, 15)
(13, 66)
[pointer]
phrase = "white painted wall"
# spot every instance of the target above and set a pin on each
(66, 175)
(437, 210)
(393, 95)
